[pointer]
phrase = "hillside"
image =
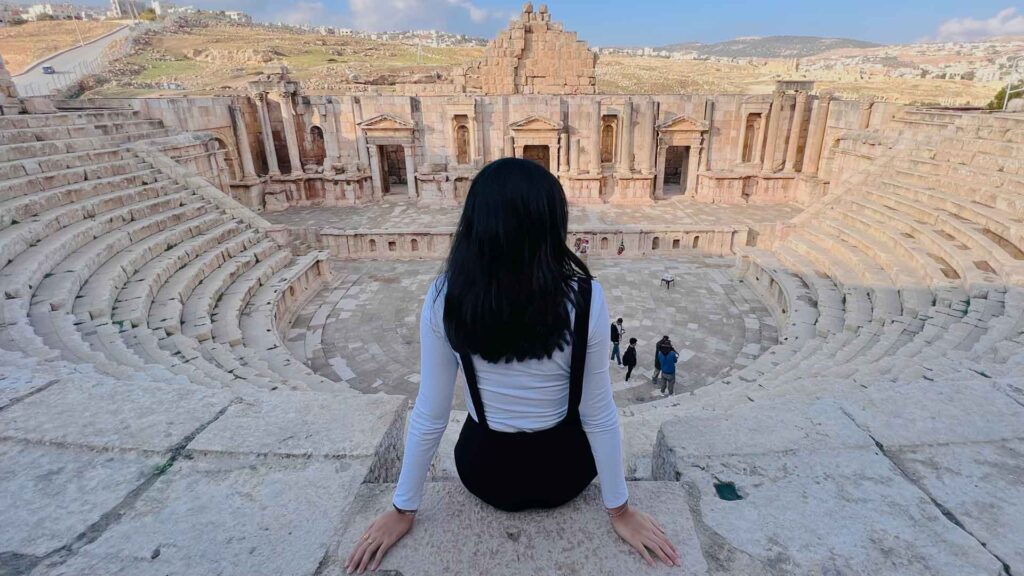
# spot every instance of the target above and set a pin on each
(197, 58)
(24, 44)
(770, 47)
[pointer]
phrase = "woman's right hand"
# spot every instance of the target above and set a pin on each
(641, 532)
(387, 529)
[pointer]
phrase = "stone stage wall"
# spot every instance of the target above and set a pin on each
(283, 148)
(397, 244)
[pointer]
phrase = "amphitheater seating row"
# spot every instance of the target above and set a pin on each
(110, 261)
(911, 269)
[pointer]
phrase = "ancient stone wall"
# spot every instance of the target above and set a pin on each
(564, 132)
(533, 56)
(8, 92)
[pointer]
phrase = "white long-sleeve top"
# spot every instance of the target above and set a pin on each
(518, 396)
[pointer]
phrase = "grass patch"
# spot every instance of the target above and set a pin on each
(161, 70)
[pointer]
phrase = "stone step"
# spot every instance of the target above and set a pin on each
(21, 168)
(457, 534)
(24, 151)
(67, 118)
(814, 466)
(76, 131)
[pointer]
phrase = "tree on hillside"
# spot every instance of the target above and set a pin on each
(1000, 97)
(148, 15)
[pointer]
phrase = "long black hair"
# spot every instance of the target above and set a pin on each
(510, 275)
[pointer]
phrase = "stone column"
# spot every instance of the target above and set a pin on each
(864, 119)
(330, 136)
(795, 128)
(659, 181)
(362, 147)
(743, 137)
(816, 135)
(690, 186)
(242, 139)
(574, 163)
(474, 135)
(563, 153)
(626, 147)
(410, 169)
(510, 147)
(759, 139)
(375, 172)
(595, 138)
(646, 137)
(268, 134)
(518, 150)
(290, 136)
(774, 114)
(709, 119)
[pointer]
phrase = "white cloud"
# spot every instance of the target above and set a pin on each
(303, 12)
(372, 15)
(1006, 23)
(404, 14)
(476, 14)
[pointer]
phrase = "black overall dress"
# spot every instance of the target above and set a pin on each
(515, 471)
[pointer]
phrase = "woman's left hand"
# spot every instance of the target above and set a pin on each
(387, 529)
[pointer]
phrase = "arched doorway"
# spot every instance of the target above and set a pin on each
(394, 178)
(538, 153)
(317, 147)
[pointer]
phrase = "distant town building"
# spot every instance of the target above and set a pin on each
(161, 8)
(9, 14)
(239, 16)
(122, 9)
(55, 11)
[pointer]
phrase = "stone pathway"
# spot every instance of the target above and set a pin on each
(364, 329)
(407, 214)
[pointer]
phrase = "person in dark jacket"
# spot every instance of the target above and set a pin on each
(617, 331)
(629, 358)
(663, 346)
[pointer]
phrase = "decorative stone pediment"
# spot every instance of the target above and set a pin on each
(386, 122)
(683, 123)
(535, 124)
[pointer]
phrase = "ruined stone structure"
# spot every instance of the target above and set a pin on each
(190, 387)
(288, 149)
(8, 91)
(534, 56)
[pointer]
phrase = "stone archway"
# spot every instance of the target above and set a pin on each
(680, 139)
(536, 133)
(383, 133)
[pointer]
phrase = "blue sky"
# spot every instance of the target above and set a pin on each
(654, 22)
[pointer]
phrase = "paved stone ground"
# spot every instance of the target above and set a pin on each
(365, 328)
(408, 214)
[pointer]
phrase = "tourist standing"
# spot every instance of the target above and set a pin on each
(663, 345)
(668, 370)
(617, 331)
(629, 358)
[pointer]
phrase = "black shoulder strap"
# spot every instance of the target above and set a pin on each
(580, 338)
(474, 391)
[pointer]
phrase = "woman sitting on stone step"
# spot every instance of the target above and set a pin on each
(542, 421)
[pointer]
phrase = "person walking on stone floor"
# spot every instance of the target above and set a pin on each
(668, 370)
(616, 335)
(523, 318)
(663, 345)
(629, 358)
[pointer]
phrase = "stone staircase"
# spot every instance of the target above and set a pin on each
(140, 360)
